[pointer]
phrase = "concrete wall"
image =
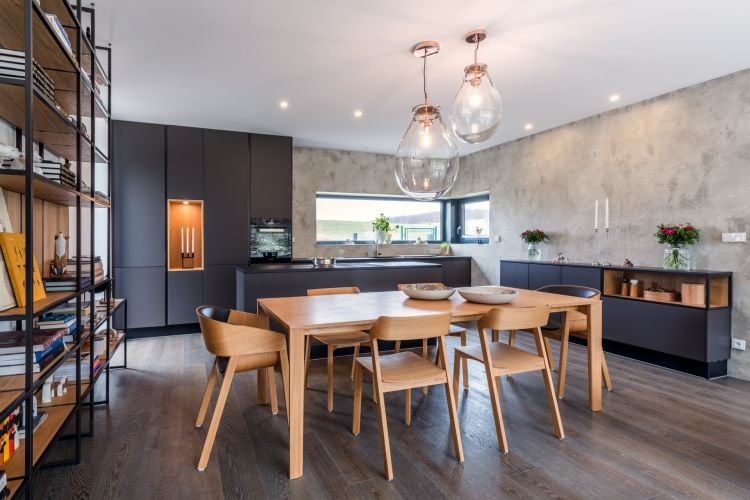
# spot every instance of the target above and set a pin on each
(680, 157)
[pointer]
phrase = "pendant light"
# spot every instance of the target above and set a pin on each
(427, 157)
(477, 108)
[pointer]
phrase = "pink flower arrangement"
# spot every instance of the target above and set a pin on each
(677, 234)
(534, 236)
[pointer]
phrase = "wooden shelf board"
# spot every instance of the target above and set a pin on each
(7, 398)
(40, 306)
(66, 399)
(14, 485)
(44, 189)
(56, 417)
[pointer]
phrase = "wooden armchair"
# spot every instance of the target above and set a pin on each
(240, 342)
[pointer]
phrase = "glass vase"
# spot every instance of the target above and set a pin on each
(678, 257)
(534, 251)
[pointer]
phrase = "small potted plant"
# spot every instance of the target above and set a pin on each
(676, 239)
(534, 239)
(382, 226)
(445, 248)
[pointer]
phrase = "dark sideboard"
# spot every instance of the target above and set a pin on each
(691, 337)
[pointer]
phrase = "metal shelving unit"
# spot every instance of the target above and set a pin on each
(58, 127)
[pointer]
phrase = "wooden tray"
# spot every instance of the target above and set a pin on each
(661, 296)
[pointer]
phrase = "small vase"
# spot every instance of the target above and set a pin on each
(380, 237)
(678, 257)
(534, 251)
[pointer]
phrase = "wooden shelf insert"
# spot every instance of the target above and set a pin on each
(700, 291)
(185, 231)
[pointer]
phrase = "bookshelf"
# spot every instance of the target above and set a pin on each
(59, 125)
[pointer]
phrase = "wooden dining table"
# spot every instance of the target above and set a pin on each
(303, 316)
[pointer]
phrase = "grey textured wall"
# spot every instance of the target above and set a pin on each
(680, 157)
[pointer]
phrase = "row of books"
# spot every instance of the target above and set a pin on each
(102, 197)
(47, 345)
(58, 172)
(13, 66)
(59, 31)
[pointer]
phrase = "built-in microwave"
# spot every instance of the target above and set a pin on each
(270, 240)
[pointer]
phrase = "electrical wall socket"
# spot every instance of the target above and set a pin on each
(497, 239)
(738, 344)
(734, 237)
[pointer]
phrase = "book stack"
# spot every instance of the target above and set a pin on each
(101, 198)
(48, 344)
(86, 267)
(70, 308)
(64, 283)
(58, 172)
(54, 321)
(13, 66)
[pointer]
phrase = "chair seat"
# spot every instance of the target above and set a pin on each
(345, 339)
(251, 361)
(576, 319)
(505, 358)
(456, 331)
(406, 369)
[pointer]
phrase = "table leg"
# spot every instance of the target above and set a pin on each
(262, 395)
(595, 355)
(296, 410)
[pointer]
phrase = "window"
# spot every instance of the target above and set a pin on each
(342, 217)
(474, 219)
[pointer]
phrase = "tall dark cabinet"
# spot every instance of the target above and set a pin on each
(236, 175)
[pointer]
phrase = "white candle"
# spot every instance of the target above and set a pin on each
(606, 213)
(182, 239)
(596, 215)
(193, 245)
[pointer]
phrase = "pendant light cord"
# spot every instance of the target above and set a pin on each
(476, 49)
(424, 76)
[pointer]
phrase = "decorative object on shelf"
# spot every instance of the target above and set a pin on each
(534, 238)
(60, 260)
(427, 157)
(677, 239)
(187, 246)
(382, 227)
(477, 108)
(627, 263)
(625, 287)
(693, 294)
(606, 233)
(560, 259)
(13, 247)
(660, 294)
(8, 155)
(635, 288)
(596, 262)
(445, 248)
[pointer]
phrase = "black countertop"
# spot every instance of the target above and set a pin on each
(623, 268)
(399, 263)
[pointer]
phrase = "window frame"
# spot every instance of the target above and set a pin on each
(458, 212)
(443, 209)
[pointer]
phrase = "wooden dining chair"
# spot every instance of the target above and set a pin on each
(575, 324)
(333, 341)
(405, 371)
(240, 341)
(455, 331)
(503, 359)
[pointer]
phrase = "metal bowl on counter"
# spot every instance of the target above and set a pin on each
(323, 262)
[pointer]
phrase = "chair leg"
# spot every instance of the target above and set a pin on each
(357, 413)
(354, 360)
(497, 413)
(512, 338)
(385, 443)
(398, 346)
(465, 365)
(308, 346)
(331, 348)
(562, 367)
(425, 389)
(495, 335)
(456, 368)
(284, 364)
(218, 410)
(271, 374)
(207, 394)
(547, 376)
(550, 358)
(605, 373)
(450, 396)
(407, 407)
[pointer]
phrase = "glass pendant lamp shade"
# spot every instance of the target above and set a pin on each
(427, 157)
(477, 108)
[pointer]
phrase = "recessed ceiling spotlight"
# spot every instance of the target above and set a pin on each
(614, 98)
(186, 203)
(284, 104)
(358, 113)
(528, 126)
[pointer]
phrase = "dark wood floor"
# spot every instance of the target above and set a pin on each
(661, 435)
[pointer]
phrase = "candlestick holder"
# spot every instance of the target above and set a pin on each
(188, 260)
(606, 248)
(596, 262)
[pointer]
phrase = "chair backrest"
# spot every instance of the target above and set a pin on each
(512, 318)
(583, 292)
(341, 290)
(411, 327)
(227, 332)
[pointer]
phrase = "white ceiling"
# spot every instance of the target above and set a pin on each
(226, 64)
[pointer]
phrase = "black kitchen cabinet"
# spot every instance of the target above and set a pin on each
(542, 275)
(582, 276)
(226, 173)
(184, 295)
(270, 177)
(139, 195)
(184, 163)
(220, 286)
(514, 274)
(144, 287)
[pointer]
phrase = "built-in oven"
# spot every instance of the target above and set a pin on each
(270, 240)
